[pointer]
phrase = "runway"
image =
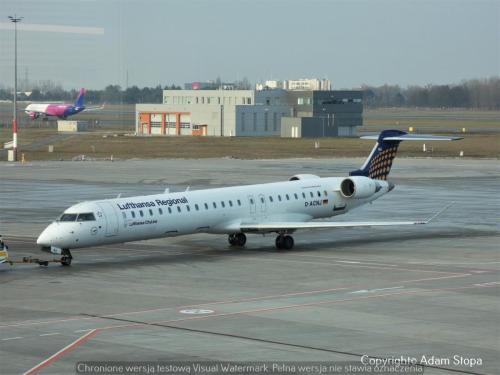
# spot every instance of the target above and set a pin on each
(338, 295)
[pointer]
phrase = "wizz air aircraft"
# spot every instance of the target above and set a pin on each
(280, 207)
(59, 110)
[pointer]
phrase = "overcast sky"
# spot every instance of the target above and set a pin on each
(87, 43)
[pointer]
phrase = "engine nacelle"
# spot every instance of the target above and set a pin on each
(358, 187)
(303, 177)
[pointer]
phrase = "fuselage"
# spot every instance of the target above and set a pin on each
(34, 110)
(220, 210)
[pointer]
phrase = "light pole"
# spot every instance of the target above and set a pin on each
(15, 20)
(324, 109)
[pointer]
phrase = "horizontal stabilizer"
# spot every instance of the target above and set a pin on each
(413, 137)
(378, 164)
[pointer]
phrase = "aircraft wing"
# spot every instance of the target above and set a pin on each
(292, 226)
(283, 226)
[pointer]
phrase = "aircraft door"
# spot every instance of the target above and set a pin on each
(252, 203)
(111, 218)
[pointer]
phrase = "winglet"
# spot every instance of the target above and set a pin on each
(426, 221)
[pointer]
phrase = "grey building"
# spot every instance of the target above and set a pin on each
(323, 113)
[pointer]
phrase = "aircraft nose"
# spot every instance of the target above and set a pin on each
(46, 238)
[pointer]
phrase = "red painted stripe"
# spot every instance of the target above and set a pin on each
(63, 351)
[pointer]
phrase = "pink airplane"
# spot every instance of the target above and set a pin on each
(62, 111)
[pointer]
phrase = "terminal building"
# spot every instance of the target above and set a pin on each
(269, 112)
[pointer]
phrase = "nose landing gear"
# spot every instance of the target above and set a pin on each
(66, 257)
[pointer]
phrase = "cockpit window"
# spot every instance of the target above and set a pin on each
(68, 217)
(89, 216)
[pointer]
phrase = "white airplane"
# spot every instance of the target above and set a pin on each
(281, 207)
(59, 110)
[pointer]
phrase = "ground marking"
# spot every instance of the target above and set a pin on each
(493, 283)
(61, 352)
(196, 311)
(376, 290)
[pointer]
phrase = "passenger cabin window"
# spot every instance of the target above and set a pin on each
(279, 198)
(68, 217)
(188, 208)
(296, 196)
(141, 213)
(86, 217)
(169, 210)
(287, 197)
(214, 204)
(133, 214)
(319, 194)
(312, 195)
(251, 201)
(222, 204)
(239, 202)
(206, 206)
(124, 214)
(325, 193)
(262, 199)
(160, 211)
(196, 207)
(230, 203)
(304, 195)
(270, 199)
(179, 208)
(150, 212)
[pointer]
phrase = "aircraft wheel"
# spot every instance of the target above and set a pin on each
(231, 239)
(241, 239)
(66, 257)
(279, 242)
(288, 242)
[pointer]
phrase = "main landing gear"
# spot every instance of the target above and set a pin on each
(237, 239)
(66, 257)
(284, 241)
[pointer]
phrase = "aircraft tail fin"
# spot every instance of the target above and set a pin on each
(378, 164)
(79, 98)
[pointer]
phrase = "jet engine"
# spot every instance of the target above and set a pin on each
(303, 177)
(358, 187)
(34, 115)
